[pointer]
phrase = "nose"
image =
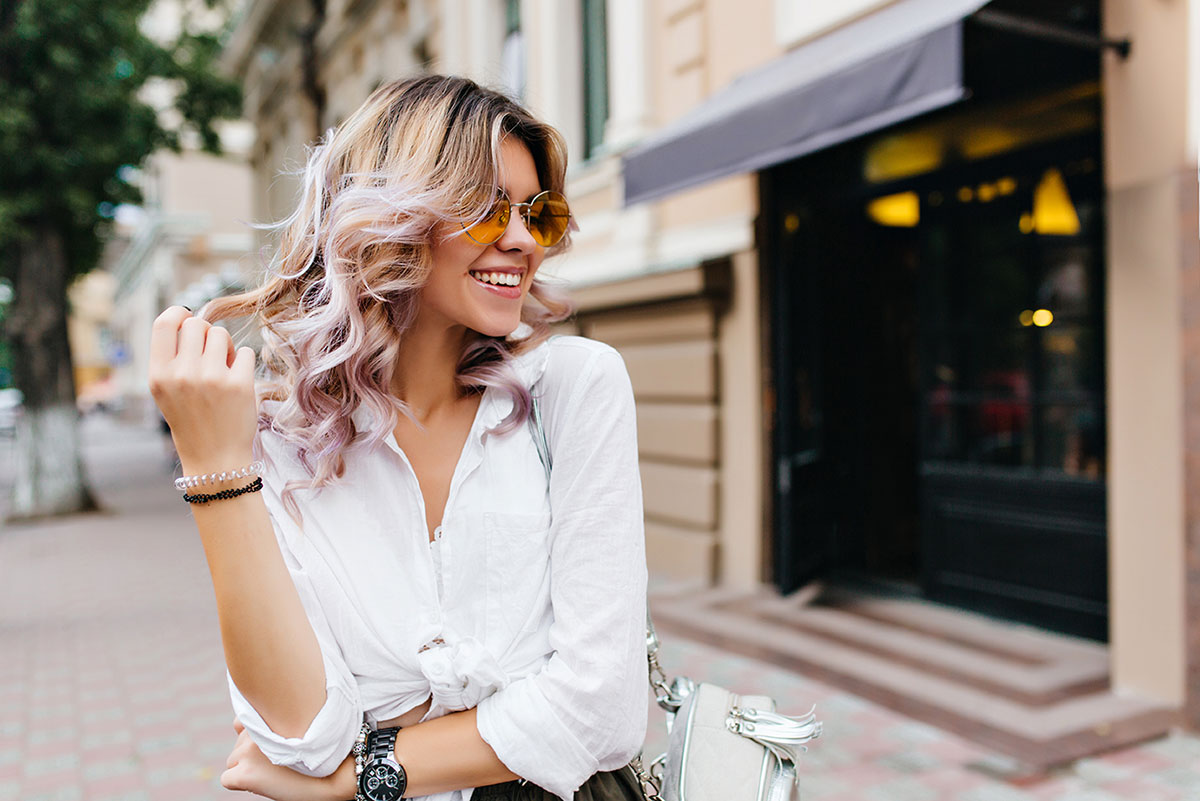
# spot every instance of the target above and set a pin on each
(516, 236)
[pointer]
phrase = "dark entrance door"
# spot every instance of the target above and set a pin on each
(938, 359)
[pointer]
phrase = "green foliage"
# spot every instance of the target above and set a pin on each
(73, 75)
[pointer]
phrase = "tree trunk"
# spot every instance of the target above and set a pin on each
(49, 476)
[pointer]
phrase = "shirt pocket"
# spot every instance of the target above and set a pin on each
(518, 573)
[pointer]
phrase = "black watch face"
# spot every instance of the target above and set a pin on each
(382, 781)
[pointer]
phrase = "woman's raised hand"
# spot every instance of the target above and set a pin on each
(205, 390)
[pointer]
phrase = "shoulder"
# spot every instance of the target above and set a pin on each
(563, 362)
(582, 381)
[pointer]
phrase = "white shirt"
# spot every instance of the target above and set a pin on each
(540, 622)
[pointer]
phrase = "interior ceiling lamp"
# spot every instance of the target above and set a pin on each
(901, 210)
(1053, 212)
(903, 156)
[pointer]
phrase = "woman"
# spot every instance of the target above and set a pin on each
(411, 559)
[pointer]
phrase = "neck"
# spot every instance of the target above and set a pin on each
(425, 367)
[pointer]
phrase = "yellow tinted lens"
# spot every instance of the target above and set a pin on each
(548, 218)
(491, 227)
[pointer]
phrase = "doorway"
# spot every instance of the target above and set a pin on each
(938, 370)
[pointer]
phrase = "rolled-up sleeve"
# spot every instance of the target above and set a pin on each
(332, 732)
(585, 711)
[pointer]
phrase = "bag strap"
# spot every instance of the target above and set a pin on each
(539, 438)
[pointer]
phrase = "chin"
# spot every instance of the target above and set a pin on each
(496, 328)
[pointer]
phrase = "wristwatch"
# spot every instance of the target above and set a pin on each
(382, 777)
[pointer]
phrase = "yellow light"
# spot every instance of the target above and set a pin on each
(983, 142)
(903, 156)
(986, 192)
(1026, 318)
(1043, 318)
(791, 223)
(1061, 343)
(1026, 223)
(901, 210)
(1006, 185)
(1053, 212)
(965, 193)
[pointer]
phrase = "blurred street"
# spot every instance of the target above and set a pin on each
(112, 685)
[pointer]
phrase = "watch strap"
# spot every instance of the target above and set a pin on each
(380, 743)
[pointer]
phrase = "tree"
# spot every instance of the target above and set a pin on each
(75, 119)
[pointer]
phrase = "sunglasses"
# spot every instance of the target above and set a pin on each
(546, 216)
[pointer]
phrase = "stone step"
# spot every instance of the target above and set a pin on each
(1037, 697)
(1035, 669)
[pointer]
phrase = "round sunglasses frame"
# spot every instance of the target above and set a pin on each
(523, 210)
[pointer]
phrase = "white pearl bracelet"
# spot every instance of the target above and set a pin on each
(185, 483)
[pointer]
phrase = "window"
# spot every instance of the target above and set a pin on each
(512, 56)
(1015, 353)
(595, 75)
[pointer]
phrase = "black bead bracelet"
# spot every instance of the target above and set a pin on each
(223, 495)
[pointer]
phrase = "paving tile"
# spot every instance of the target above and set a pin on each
(904, 789)
(996, 792)
(1099, 771)
(10, 790)
(61, 793)
(1183, 777)
(120, 795)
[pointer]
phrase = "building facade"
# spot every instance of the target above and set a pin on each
(190, 241)
(908, 290)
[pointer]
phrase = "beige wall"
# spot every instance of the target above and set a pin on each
(1146, 152)
(744, 445)
(216, 187)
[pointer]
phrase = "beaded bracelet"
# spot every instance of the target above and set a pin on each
(360, 754)
(185, 483)
(225, 495)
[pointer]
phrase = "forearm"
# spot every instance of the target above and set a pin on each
(263, 624)
(438, 755)
(204, 387)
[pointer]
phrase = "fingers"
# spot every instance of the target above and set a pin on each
(232, 779)
(239, 749)
(238, 728)
(178, 334)
(191, 339)
(218, 349)
(243, 365)
(165, 332)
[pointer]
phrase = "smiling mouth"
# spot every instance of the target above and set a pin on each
(497, 279)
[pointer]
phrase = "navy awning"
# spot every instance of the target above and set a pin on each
(896, 63)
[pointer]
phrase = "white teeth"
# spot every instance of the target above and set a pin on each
(499, 279)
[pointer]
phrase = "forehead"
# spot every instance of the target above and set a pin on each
(518, 171)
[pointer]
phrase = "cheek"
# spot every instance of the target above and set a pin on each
(535, 264)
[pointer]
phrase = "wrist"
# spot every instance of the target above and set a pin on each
(225, 461)
(341, 785)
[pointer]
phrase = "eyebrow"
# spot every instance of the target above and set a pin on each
(527, 199)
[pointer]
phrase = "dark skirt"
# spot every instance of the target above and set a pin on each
(617, 785)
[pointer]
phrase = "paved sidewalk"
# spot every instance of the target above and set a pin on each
(112, 682)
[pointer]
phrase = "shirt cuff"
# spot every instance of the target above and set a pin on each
(321, 749)
(528, 737)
